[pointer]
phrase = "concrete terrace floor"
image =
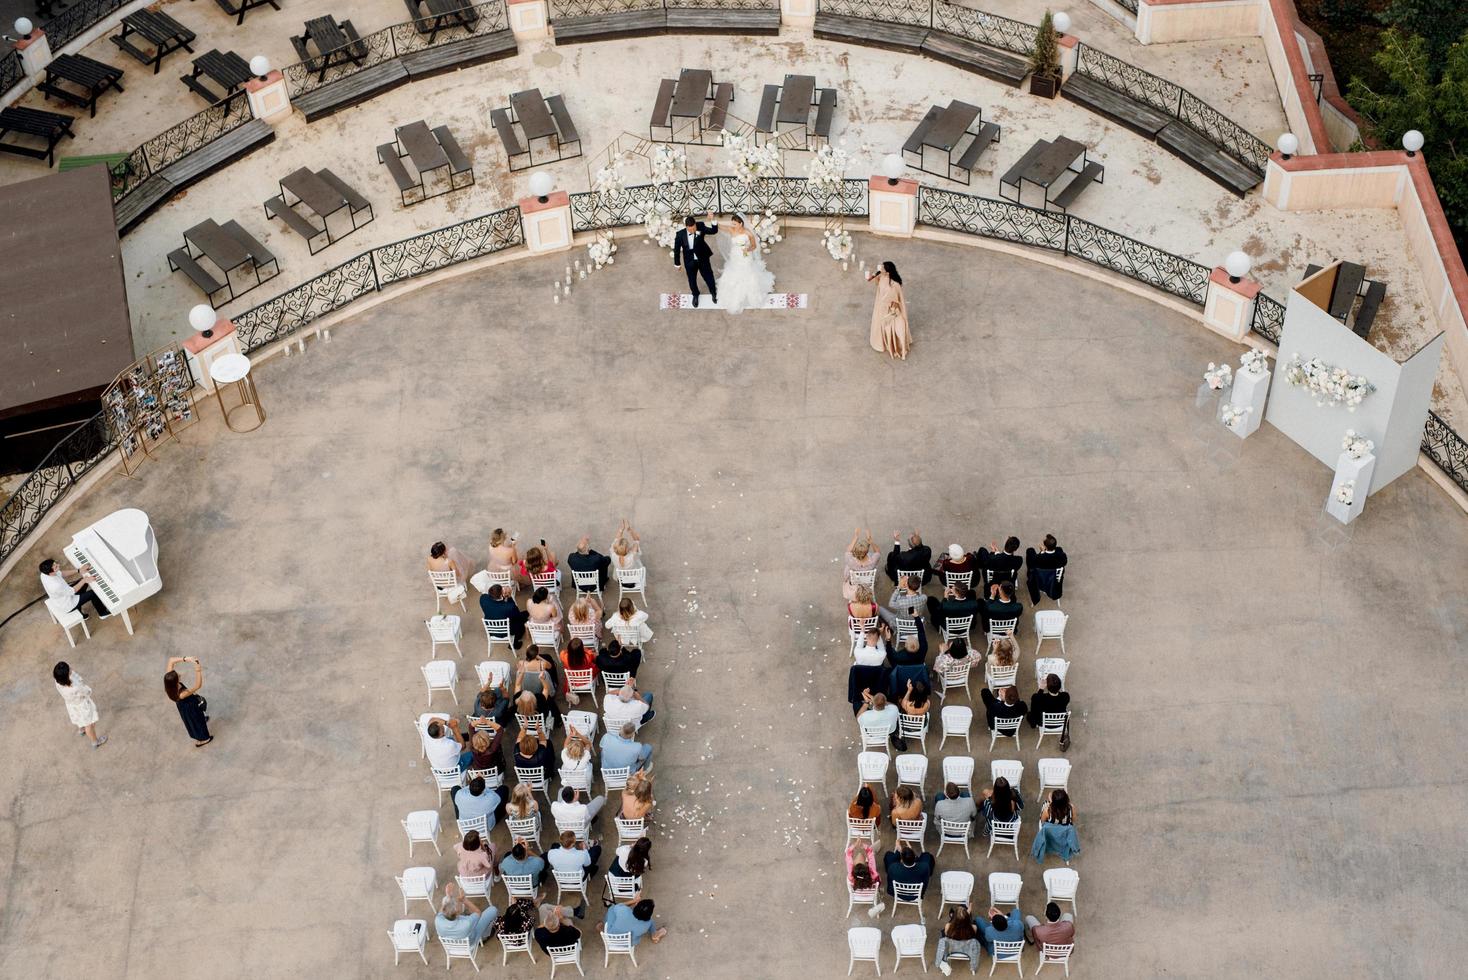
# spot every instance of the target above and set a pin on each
(1238, 760)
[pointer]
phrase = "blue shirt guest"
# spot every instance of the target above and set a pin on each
(478, 800)
(636, 919)
(519, 861)
(1001, 928)
(619, 750)
(459, 918)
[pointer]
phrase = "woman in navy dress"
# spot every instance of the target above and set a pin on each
(191, 706)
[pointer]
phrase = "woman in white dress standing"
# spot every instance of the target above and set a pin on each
(79, 704)
(744, 282)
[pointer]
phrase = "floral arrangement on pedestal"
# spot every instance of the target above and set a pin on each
(601, 250)
(1347, 493)
(837, 242)
(668, 164)
(749, 161)
(609, 180)
(1231, 415)
(765, 228)
(1218, 376)
(1326, 384)
(827, 170)
(660, 228)
(1254, 361)
(1356, 445)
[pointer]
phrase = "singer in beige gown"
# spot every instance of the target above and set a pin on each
(889, 318)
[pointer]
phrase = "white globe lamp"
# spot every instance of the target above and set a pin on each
(23, 27)
(1412, 141)
(202, 318)
(892, 168)
(541, 184)
(1061, 22)
(1237, 265)
(1288, 144)
(260, 66)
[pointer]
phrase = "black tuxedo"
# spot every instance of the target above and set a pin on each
(1003, 566)
(916, 561)
(1041, 576)
(694, 257)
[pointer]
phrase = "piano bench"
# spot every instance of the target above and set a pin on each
(67, 620)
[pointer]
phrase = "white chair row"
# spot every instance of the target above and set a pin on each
(912, 770)
(910, 942)
(957, 888)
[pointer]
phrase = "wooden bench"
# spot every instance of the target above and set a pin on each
(972, 56)
(52, 127)
(709, 20)
(628, 23)
(872, 33)
(825, 113)
(564, 126)
(1116, 106)
(1366, 315)
(355, 201)
(987, 136)
(723, 98)
(276, 208)
(476, 50)
(140, 201)
(387, 155)
(914, 142)
(458, 162)
(500, 120)
(662, 106)
(1203, 155)
(218, 153)
(259, 254)
(1013, 175)
(1092, 172)
(768, 102)
(352, 89)
(179, 259)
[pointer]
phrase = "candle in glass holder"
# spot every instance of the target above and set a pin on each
(556, 297)
(845, 265)
(583, 274)
(578, 265)
(568, 272)
(861, 266)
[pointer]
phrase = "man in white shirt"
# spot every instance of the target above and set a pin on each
(63, 596)
(568, 810)
(870, 652)
(877, 715)
(444, 744)
(627, 706)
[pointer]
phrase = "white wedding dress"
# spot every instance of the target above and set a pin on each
(744, 283)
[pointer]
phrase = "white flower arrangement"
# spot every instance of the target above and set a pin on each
(749, 161)
(1234, 414)
(765, 228)
(827, 170)
(838, 243)
(1329, 386)
(1254, 361)
(1347, 493)
(1357, 445)
(1218, 376)
(669, 164)
(601, 250)
(609, 180)
(660, 228)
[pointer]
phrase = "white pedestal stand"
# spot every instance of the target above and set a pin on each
(1249, 391)
(1348, 470)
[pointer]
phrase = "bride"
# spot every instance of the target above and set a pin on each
(744, 283)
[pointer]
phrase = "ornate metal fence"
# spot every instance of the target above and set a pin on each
(11, 72)
(1129, 5)
(77, 453)
(917, 12)
(1137, 260)
(1268, 319)
(1447, 449)
(1128, 79)
(571, 9)
(195, 132)
(591, 211)
(723, 4)
(991, 219)
(985, 28)
(793, 196)
(414, 35)
(1223, 132)
(72, 22)
(444, 247)
(293, 309)
(369, 52)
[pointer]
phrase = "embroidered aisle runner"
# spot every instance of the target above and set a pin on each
(774, 301)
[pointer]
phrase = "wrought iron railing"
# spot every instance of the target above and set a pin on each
(591, 211)
(74, 455)
(11, 70)
(1137, 260)
(366, 52)
(1447, 449)
(1268, 321)
(1129, 4)
(197, 131)
(1223, 132)
(915, 12)
(989, 218)
(128, 174)
(572, 9)
(723, 4)
(793, 196)
(293, 309)
(444, 247)
(71, 23)
(414, 35)
(1014, 36)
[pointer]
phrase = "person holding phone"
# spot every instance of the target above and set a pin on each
(192, 707)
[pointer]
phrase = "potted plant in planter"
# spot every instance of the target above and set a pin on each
(1045, 61)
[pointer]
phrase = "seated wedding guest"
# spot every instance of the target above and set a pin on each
(862, 606)
(494, 605)
(486, 749)
(628, 706)
(543, 608)
(584, 559)
(575, 657)
(1003, 652)
(576, 754)
(1002, 802)
(917, 557)
(459, 918)
(869, 650)
(1057, 833)
(626, 547)
(951, 653)
(533, 751)
(637, 801)
(861, 556)
(535, 673)
(1000, 566)
(877, 716)
(475, 856)
(907, 601)
(959, 937)
(445, 744)
(1041, 567)
(538, 560)
(635, 919)
(632, 860)
(532, 704)
(865, 806)
(958, 600)
(914, 703)
(1005, 704)
(621, 750)
(504, 551)
(907, 867)
(862, 678)
(958, 807)
(586, 611)
(1001, 928)
(570, 809)
(1002, 606)
(1058, 929)
(442, 558)
(616, 659)
(955, 562)
(555, 931)
(571, 854)
(522, 804)
(1048, 698)
(519, 861)
(911, 652)
(629, 624)
(861, 872)
(519, 918)
(905, 804)
(478, 800)
(492, 703)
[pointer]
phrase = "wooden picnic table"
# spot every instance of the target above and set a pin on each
(49, 126)
(1056, 159)
(165, 34)
(313, 192)
(238, 8)
(445, 14)
(326, 34)
(951, 126)
(225, 68)
(217, 245)
(533, 114)
(692, 91)
(797, 96)
(93, 77)
(423, 148)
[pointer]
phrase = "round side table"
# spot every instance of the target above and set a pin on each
(233, 371)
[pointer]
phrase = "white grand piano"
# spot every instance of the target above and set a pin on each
(121, 553)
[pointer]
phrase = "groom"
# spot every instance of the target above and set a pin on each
(691, 250)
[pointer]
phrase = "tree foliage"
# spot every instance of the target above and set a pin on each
(1045, 58)
(1441, 23)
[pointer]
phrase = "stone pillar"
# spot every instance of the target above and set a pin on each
(798, 13)
(35, 52)
(203, 351)
(1357, 474)
(547, 225)
(1229, 308)
(1250, 389)
(1069, 46)
(269, 97)
(892, 206)
(529, 19)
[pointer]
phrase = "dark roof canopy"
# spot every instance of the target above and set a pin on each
(64, 329)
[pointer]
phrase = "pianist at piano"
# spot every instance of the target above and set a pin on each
(63, 596)
(118, 556)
